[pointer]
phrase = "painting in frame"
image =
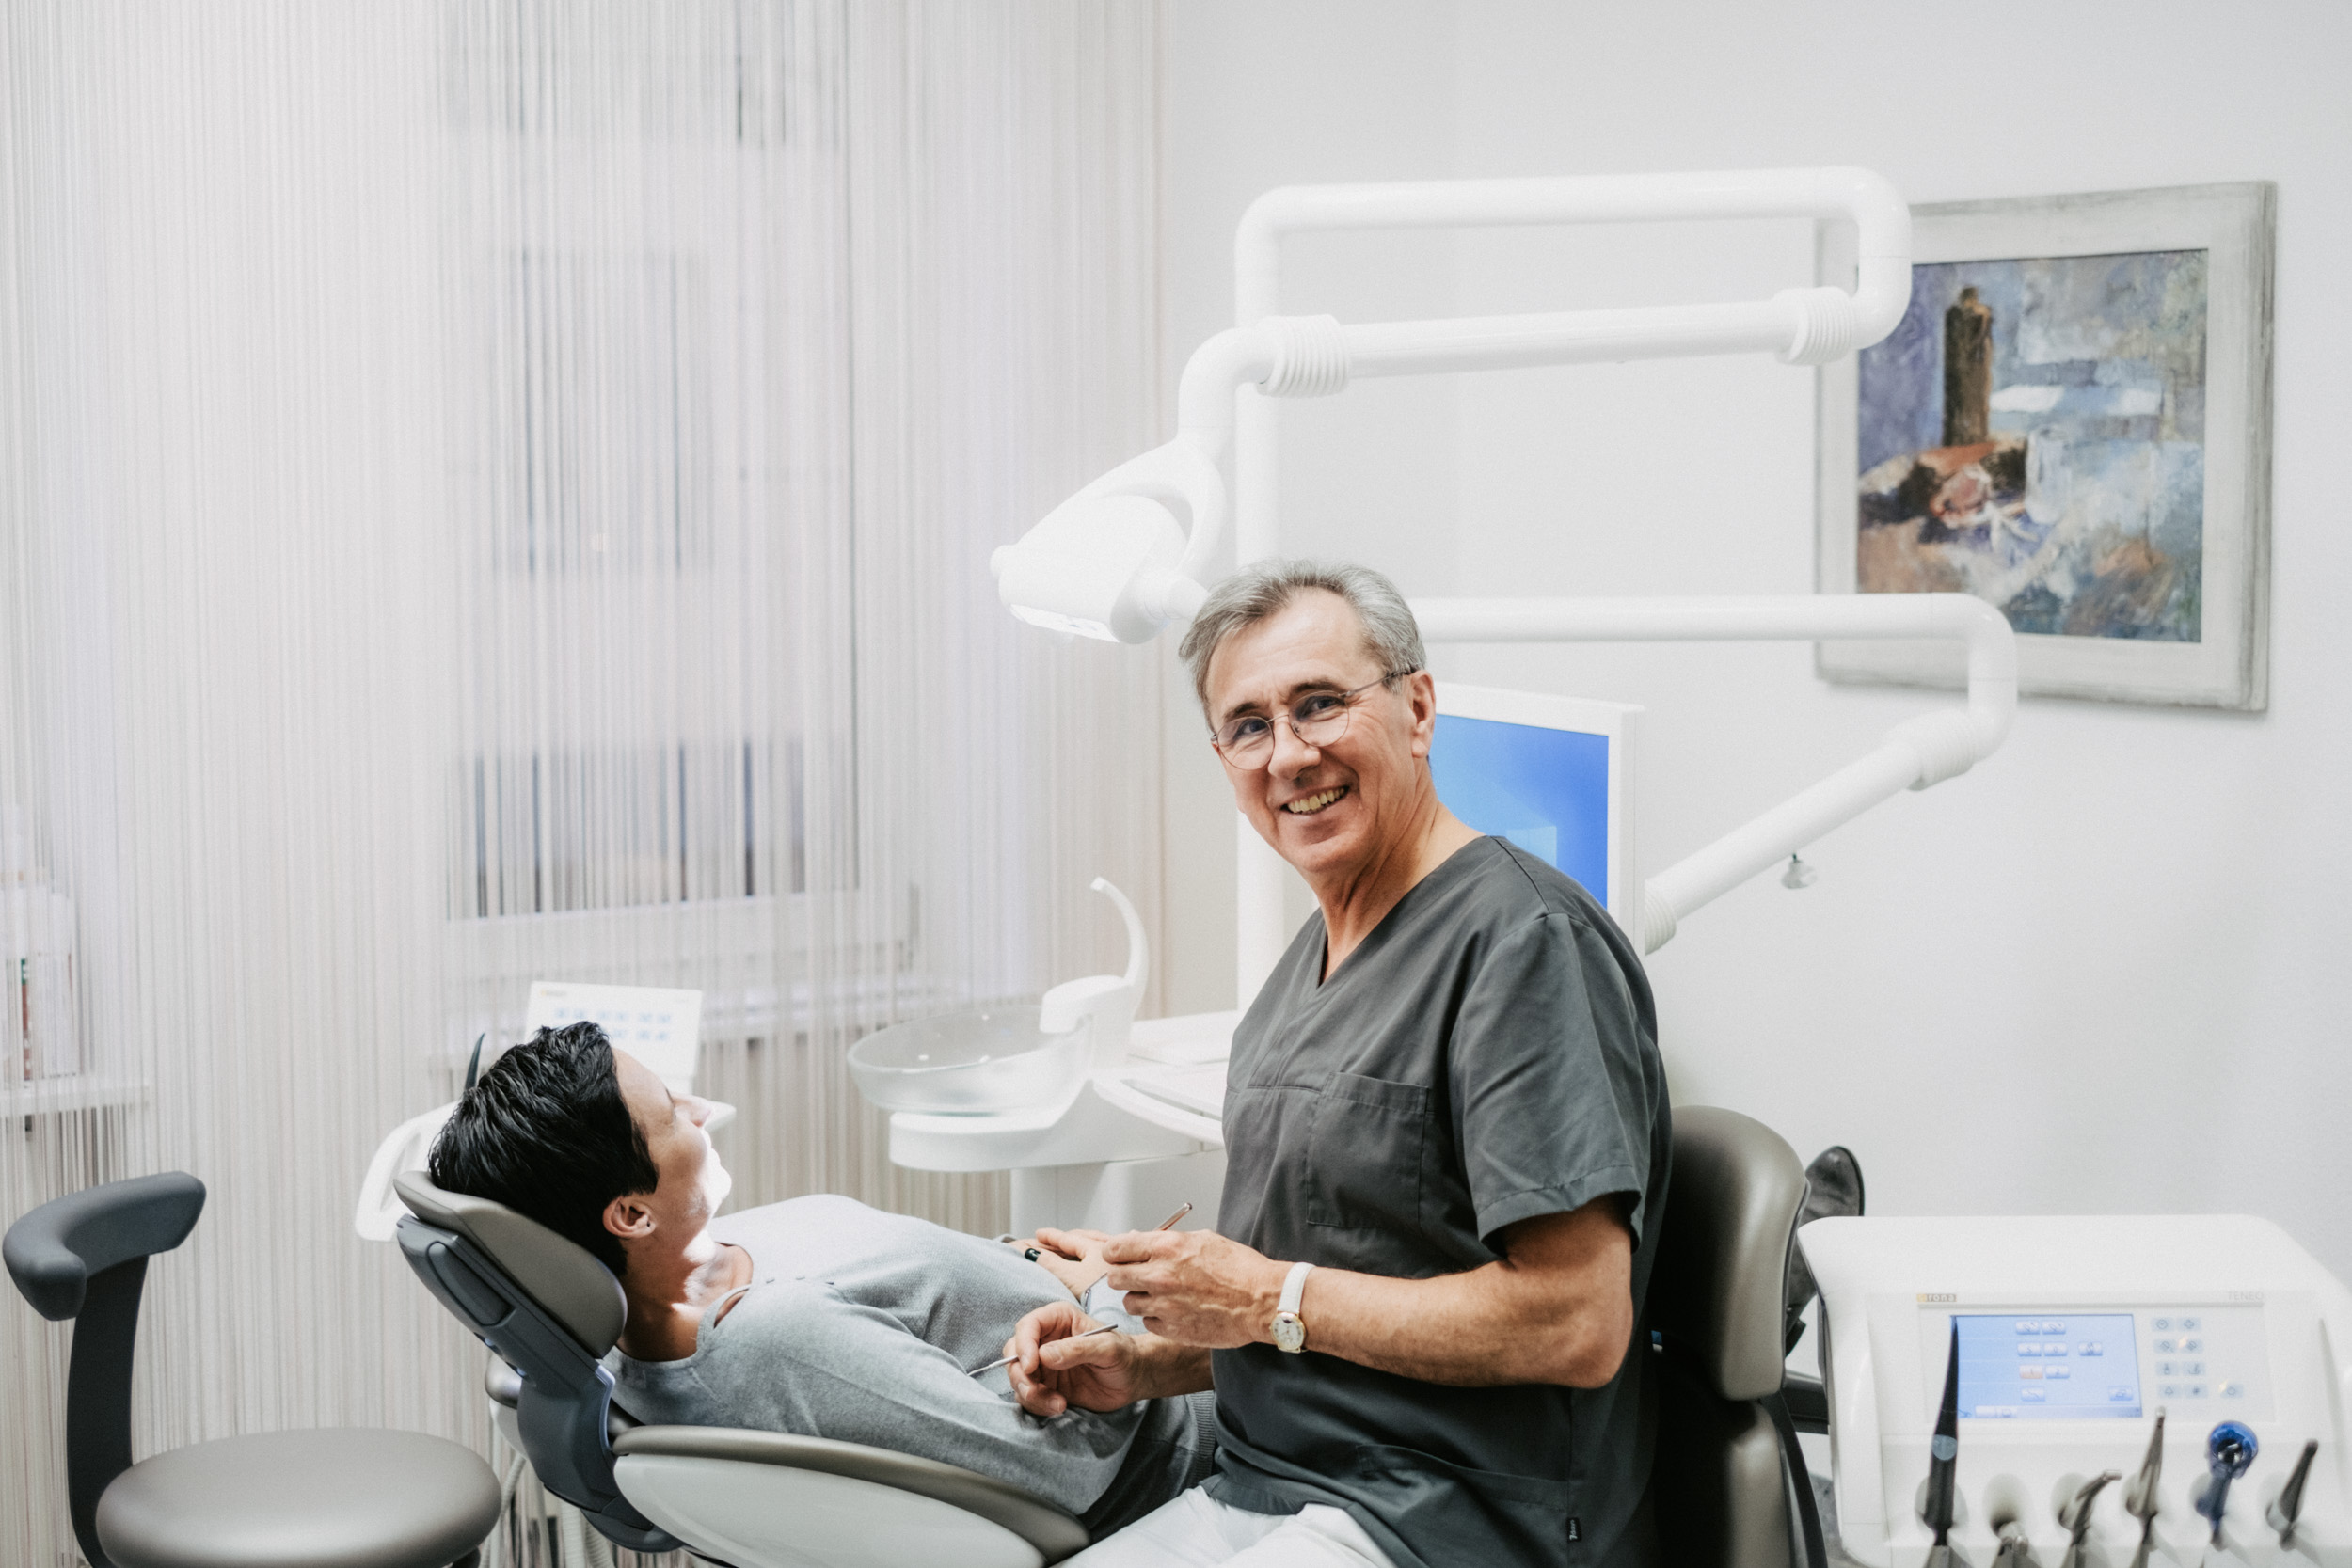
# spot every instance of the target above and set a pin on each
(2072, 423)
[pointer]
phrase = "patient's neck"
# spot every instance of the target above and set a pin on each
(669, 1287)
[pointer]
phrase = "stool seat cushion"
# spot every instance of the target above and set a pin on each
(338, 1497)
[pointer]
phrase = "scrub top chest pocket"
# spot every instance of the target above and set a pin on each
(1366, 1151)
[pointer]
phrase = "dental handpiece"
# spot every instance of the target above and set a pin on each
(2288, 1507)
(2228, 1452)
(1935, 1510)
(2074, 1517)
(2140, 1498)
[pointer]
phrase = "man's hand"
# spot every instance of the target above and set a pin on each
(1056, 1370)
(1195, 1287)
(1073, 1257)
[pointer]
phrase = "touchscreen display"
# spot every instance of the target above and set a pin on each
(2017, 1368)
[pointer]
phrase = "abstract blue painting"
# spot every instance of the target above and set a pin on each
(2034, 434)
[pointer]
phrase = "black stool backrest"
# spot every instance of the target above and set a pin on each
(84, 1257)
(470, 1253)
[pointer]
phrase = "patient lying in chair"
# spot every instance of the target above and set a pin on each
(818, 1316)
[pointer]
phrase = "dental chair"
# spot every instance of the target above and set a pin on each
(341, 1498)
(1729, 1487)
(749, 1499)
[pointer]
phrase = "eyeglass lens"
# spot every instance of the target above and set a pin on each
(1318, 719)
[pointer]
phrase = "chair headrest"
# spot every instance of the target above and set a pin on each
(52, 1252)
(1723, 1259)
(562, 1277)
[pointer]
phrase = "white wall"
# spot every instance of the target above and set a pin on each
(2104, 970)
(1256, 95)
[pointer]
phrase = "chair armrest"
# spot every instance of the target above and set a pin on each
(1807, 1402)
(504, 1386)
(1053, 1532)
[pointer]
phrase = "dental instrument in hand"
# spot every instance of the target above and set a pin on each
(1009, 1360)
(1031, 1253)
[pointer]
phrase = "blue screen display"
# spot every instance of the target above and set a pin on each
(1544, 790)
(2015, 1368)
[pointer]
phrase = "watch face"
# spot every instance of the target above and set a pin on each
(1289, 1333)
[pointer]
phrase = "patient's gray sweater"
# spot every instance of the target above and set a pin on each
(860, 1325)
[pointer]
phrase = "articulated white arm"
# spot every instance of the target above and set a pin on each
(1882, 285)
(1916, 753)
(1147, 570)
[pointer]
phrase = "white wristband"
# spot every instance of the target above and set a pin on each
(1288, 1330)
(1295, 1287)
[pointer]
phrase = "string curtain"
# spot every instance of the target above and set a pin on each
(496, 490)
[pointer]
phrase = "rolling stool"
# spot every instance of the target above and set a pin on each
(340, 1498)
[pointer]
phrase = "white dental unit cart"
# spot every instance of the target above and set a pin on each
(2073, 1334)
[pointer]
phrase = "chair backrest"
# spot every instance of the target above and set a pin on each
(1715, 1299)
(552, 1310)
(495, 1269)
(84, 1257)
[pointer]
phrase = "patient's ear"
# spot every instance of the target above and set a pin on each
(628, 1216)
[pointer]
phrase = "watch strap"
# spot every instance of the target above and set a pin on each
(1295, 1287)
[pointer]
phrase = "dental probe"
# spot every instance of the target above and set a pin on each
(2140, 1498)
(1031, 1253)
(1935, 1510)
(1031, 1256)
(1009, 1360)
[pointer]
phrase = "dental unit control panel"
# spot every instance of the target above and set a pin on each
(2121, 1390)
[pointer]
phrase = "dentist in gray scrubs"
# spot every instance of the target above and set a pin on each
(1447, 1142)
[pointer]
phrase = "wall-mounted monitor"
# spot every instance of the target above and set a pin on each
(1551, 774)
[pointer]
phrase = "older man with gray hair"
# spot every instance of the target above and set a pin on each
(1447, 1143)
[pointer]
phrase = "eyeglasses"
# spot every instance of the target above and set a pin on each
(1318, 719)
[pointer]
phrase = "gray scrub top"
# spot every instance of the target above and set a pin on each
(1488, 1054)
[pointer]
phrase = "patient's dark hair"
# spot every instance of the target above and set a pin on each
(546, 1132)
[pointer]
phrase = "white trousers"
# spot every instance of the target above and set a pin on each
(1195, 1530)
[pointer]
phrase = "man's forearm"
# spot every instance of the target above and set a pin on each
(1558, 1306)
(1477, 1329)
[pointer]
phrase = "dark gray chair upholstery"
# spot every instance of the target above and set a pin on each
(550, 1309)
(335, 1499)
(1728, 1468)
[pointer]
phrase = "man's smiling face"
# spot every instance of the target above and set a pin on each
(1334, 810)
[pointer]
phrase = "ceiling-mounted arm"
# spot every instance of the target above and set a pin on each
(1882, 283)
(1915, 754)
(1115, 561)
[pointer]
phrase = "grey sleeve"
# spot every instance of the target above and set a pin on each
(855, 1373)
(1552, 1100)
